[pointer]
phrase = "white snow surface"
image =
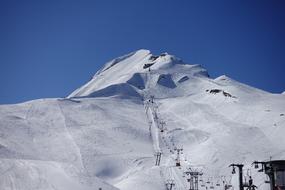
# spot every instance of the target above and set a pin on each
(106, 133)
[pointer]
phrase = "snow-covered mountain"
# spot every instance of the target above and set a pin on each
(106, 133)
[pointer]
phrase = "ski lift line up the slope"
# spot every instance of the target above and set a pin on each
(156, 124)
(151, 111)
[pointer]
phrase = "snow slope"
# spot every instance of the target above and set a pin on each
(106, 133)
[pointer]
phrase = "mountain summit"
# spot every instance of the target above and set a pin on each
(130, 71)
(140, 123)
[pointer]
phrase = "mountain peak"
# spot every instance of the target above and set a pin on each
(113, 62)
(138, 63)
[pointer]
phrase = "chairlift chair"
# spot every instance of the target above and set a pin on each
(212, 186)
(218, 183)
(234, 170)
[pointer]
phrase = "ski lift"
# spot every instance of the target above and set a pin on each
(218, 183)
(248, 172)
(223, 178)
(234, 170)
(228, 186)
(256, 165)
(201, 180)
(208, 182)
(212, 186)
(267, 180)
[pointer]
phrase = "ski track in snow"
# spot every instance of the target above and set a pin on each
(71, 138)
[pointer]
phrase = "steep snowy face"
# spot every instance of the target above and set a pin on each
(128, 74)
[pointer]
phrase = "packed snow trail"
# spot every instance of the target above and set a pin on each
(154, 130)
(150, 113)
(169, 148)
(169, 171)
(168, 168)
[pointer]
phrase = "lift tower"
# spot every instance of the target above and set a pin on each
(275, 169)
(239, 166)
(170, 184)
(193, 179)
(179, 151)
(158, 158)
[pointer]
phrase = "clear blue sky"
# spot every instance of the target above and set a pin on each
(48, 48)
